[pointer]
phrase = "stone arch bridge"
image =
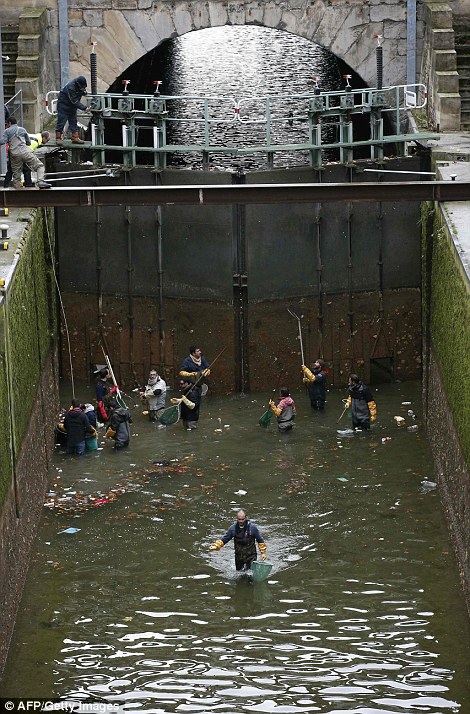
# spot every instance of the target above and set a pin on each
(125, 30)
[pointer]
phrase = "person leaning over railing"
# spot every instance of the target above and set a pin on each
(19, 152)
(36, 140)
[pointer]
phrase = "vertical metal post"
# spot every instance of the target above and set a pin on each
(3, 153)
(270, 155)
(130, 296)
(319, 276)
(64, 42)
(161, 319)
(240, 293)
(93, 69)
(125, 142)
(99, 268)
(410, 42)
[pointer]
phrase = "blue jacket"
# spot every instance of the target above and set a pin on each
(188, 365)
(71, 94)
(248, 532)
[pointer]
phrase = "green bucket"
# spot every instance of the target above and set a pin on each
(260, 570)
(91, 443)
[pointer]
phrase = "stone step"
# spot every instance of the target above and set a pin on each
(10, 49)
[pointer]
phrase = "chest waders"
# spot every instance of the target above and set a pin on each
(245, 553)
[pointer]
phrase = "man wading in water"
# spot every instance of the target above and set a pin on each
(244, 534)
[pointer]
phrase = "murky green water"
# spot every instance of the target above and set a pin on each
(363, 611)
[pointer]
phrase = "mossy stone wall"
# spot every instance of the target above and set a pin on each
(27, 333)
(446, 330)
(29, 392)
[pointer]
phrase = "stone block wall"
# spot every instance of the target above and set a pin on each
(439, 67)
(36, 65)
(28, 385)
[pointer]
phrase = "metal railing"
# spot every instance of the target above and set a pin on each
(15, 106)
(317, 110)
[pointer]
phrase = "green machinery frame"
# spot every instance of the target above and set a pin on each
(318, 109)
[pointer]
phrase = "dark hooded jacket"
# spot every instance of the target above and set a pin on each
(77, 426)
(361, 396)
(119, 422)
(72, 93)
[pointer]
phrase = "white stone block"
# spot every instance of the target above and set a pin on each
(382, 12)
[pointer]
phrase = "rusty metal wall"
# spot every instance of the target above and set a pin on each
(153, 281)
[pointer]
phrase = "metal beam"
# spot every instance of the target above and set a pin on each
(80, 196)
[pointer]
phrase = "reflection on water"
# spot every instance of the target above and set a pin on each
(246, 64)
(362, 612)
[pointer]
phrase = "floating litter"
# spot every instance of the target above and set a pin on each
(70, 530)
(240, 493)
(260, 570)
(428, 485)
(341, 478)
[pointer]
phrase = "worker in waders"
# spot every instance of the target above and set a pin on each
(361, 401)
(245, 536)
(284, 410)
(315, 379)
(19, 153)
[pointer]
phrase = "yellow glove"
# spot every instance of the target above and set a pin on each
(188, 402)
(217, 545)
(187, 374)
(373, 410)
(94, 433)
(206, 372)
(274, 408)
(175, 400)
(61, 427)
(110, 433)
(347, 403)
(262, 550)
(309, 376)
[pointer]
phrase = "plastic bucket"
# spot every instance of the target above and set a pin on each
(260, 570)
(91, 443)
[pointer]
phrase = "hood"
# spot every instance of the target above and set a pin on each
(81, 82)
(286, 402)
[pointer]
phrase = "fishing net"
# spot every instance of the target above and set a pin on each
(265, 418)
(170, 415)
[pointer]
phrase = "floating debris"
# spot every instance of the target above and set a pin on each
(428, 486)
(70, 531)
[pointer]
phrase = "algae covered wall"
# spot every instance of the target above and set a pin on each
(28, 385)
(446, 329)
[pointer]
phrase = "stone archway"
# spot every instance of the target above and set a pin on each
(128, 29)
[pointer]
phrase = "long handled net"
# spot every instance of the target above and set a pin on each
(170, 415)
